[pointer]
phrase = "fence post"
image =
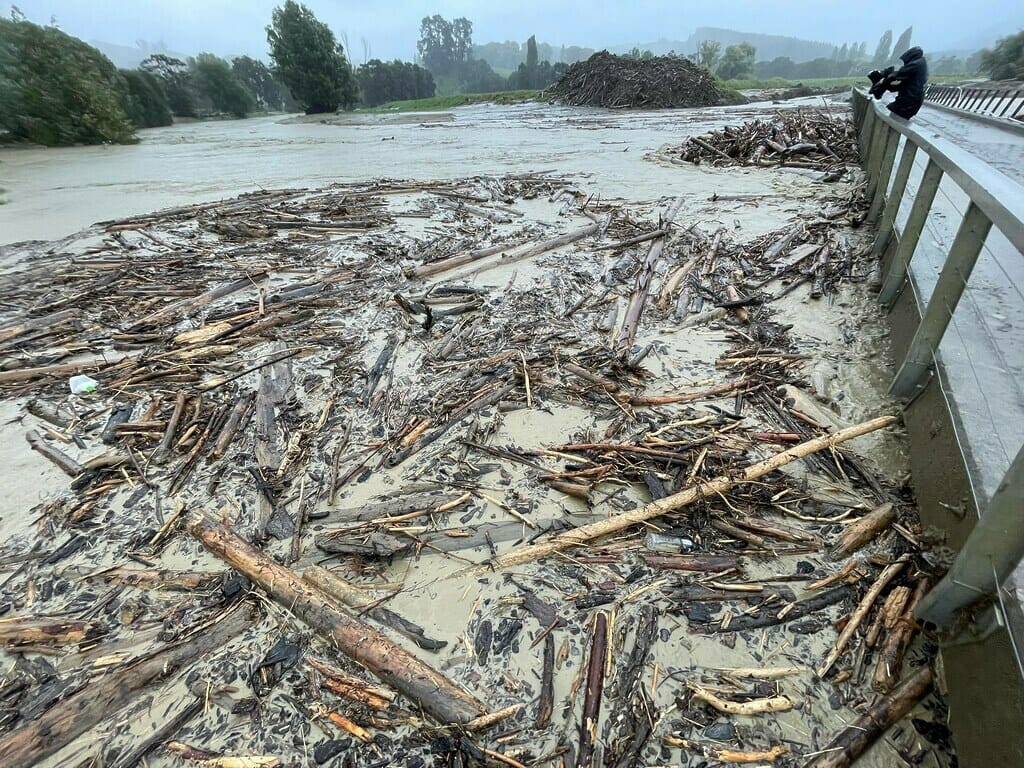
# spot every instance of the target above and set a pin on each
(892, 206)
(884, 173)
(911, 233)
(963, 255)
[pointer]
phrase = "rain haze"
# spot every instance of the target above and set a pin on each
(233, 27)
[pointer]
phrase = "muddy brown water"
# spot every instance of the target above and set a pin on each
(56, 192)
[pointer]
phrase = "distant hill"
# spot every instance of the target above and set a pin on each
(129, 57)
(768, 46)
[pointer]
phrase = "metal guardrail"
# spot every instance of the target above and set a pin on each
(995, 102)
(996, 545)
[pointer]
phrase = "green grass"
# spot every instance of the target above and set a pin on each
(436, 103)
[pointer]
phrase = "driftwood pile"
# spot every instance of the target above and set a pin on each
(661, 82)
(800, 138)
(303, 528)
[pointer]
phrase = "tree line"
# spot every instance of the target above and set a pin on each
(57, 90)
(738, 62)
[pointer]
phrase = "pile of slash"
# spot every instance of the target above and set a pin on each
(800, 138)
(661, 82)
(413, 474)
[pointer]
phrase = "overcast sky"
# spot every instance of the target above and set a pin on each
(391, 26)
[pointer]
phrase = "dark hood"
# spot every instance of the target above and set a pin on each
(913, 54)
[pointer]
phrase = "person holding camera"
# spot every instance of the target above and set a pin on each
(908, 82)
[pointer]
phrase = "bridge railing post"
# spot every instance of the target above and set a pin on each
(892, 205)
(963, 255)
(911, 233)
(989, 555)
(892, 144)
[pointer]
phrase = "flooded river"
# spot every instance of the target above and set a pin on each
(53, 192)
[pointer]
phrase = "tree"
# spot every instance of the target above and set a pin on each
(738, 62)
(462, 40)
(531, 54)
(261, 83)
(381, 82)
(147, 104)
(780, 66)
(309, 60)
(902, 45)
(175, 80)
(215, 80)
(709, 53)
(436, 46)
(56, 90)
(1005, 61)
(884, 50)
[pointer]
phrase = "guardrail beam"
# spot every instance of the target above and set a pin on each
(963, 255)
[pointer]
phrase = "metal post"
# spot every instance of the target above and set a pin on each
(892, 207)
(989, 556)
(878, 141)
(911, 233)
(963, 255)
(884, 174)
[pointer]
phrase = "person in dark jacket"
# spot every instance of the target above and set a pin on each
(908, 82)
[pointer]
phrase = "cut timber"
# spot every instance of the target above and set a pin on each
(850, 743)
(682, 499)
(857, 534)
(426, 687)
(70, 718)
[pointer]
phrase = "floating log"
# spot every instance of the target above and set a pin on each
(890, 657)
(65, 463)
(424, 686)
(750, 707)
(679, 500)
(59, 725)
(595, 686)
(888, 574)
(353, 597)
(851, 742)
(28, 631)
(728, 755)
(859, 533)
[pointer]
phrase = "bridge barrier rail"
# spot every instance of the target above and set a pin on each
(996, 544)
(1006, 103)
